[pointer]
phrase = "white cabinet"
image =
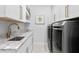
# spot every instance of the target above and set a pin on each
(30, 44)
(26, 47)
(12, 11)
(56, 13)
(2, 10)
(73, 10)
(26, 12)
(59, 12)
(62, 12)
(23, 12)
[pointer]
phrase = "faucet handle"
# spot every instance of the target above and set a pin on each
(8, 33)
(18, 27)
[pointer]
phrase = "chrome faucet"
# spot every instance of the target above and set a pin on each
(9, 29)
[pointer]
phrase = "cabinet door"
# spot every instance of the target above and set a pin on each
(56, 13)
(2, 10)
(13, 11)
(62, 12)
(30, 44)
(73, 10)
(23, 48)
(23, 12)
(59, 11)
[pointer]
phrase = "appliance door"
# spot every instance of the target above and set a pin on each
(71, 37)
(57, 38)
(50, 39)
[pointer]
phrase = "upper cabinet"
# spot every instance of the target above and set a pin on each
(23, 12)
(70, 11)
(59, 12)
(15, 12)
(62, 12)
(26, 12)
(73, 10)
(56, 13)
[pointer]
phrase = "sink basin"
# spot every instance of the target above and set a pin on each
(16, 39)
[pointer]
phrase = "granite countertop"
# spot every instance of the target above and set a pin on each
(14, 45)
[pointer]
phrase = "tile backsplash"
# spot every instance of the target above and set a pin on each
(3, 28)
(14, 29)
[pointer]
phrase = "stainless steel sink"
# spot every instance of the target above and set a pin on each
(16, 39)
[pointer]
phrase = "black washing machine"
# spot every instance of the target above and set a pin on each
(71, 37)
(49, 41)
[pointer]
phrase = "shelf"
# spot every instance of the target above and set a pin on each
(8, 19)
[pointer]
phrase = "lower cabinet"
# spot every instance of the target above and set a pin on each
(30, 45)
(26, 47)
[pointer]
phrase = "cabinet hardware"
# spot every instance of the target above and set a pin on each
(67, 11)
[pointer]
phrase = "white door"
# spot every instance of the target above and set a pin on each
(24, 12)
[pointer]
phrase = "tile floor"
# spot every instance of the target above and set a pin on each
(40, 48)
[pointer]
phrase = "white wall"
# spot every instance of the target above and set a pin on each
(40, 31)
